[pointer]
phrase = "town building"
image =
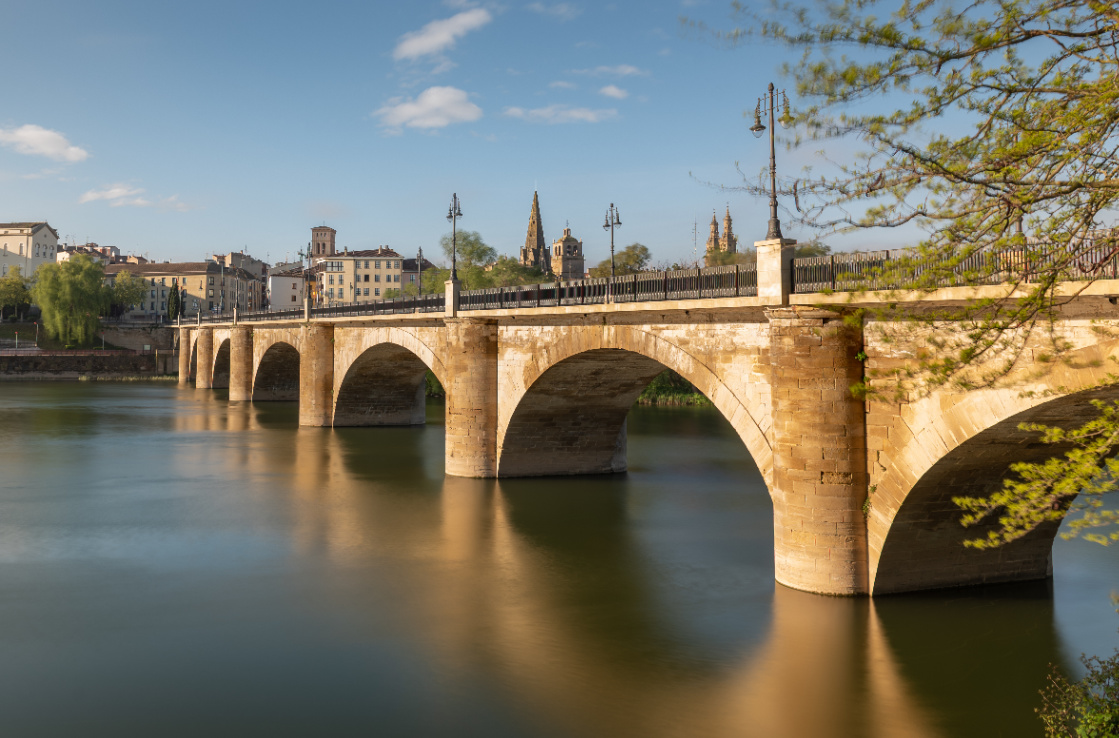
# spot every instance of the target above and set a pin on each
(103, 254)
(241, 260)
(535, 251)
(288, 287)
(357, 276)
(27, 245)
(205, 286)
(322, 242)
(567, 257)
(728, 242)
(411, 273)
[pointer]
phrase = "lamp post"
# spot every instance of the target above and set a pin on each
(454, 212)
(612, 221)
(768, 106)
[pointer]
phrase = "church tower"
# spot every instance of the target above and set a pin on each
(730, 241)
(535, 252)
(567, 256)
(713, 242)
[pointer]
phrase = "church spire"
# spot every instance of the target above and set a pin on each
(535, 252)
(713, 241)
(730, 241)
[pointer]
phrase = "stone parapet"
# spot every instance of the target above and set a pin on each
(819, 452)
(775, 270)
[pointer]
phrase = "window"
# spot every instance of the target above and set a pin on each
(293, 298)
(163, 280)
(367, 263)
(396, 278)
(175, 280)
(211, 280)
(412, 278)
(330, 292)
(153, 293)
(331, 279)
(366, 278)
(162, 306)
(376, 292)
(211, 293)
(376, 264)
(376, 277)
(293, 285)
(367, 292)
(397, 266)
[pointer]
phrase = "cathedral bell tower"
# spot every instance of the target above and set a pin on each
(535, 252)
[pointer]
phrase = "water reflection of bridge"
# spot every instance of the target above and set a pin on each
(546, 391)
(553, 593)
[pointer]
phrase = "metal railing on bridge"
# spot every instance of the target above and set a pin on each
(844, 272)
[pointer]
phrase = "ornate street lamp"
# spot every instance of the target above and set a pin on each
(768, 106)
(612, 222)
(454, 212)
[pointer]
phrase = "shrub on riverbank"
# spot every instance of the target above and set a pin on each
(669, 388)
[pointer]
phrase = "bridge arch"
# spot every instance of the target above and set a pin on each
(569, 418)
(220, 377)
(276, 373)
(380, 378)
(950, 445)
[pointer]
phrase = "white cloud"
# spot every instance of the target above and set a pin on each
(122, 195)
(621, 70)
(561, 114)
(111, 192)
(440, 35)
(614, 91)
(562, 11)
(560, 84)
(435, 107)
(39, 141)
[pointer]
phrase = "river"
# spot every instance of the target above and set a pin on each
(171, 564)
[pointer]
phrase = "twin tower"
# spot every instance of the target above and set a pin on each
(565, 260)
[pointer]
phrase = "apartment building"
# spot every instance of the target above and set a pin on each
(357, 276)
(205, 286)
(27, 245)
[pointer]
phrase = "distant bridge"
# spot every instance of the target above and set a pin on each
(540, 379)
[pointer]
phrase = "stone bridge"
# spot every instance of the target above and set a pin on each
(861, 490)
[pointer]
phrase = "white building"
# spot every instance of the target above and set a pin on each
(27, 245)
(286, 288)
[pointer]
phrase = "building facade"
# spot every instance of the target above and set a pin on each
(205, 286)
(567, 257)
(535, 251)
(322, 244)
(357, 276)
(27, 245)
(411, 274)
(287, 288)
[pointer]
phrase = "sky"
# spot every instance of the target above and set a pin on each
(180, 130)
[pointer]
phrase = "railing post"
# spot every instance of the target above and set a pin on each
(775, 269)
(451, 308)
(666, 284)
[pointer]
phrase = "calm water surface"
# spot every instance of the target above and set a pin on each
(174, 565)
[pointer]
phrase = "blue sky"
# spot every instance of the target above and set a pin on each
(179, 130)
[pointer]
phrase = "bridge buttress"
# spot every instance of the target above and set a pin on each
(316, 374)
(471, 386)
(205, 371)
(184, 356)
(819, 450)
(240, 363)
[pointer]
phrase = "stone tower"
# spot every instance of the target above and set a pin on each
(730, 241)
(713, 241)
(322, 242)
(535, 252)
(567, 257)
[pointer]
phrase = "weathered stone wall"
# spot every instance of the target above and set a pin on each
(819, 452)
(926, 447)
(471, 370)
(86, 366)
(161, 337)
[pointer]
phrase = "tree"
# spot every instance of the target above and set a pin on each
(986, 125)
(630, 260)
(14, 291)
(510, 272)
(174, 306)
(72, 296)
(126, 290)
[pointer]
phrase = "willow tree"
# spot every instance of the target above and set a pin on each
(126, 291)
(72, 296)
(993, 127)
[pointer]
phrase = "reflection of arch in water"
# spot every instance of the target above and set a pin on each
(570, 418)
(221, 366)
(277, 375)
(192, 371)
(385, 385)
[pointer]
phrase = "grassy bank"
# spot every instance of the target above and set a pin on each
(667, 388)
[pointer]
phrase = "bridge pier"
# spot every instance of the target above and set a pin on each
(316, 375)
(471, 386)
(184, 357)
(819, 452)
(240, 364)
(204, 377)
